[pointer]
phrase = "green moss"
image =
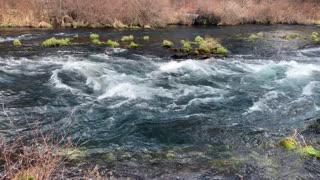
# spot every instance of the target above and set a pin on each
(291, 36)
(17, 42)
(260, 34)
(94, 36)
(315, 36)
(253, 37)
(310, 151)
(112, 44)
(289, 143)
(96, 41)
(186, 47)
(133, 45)
(146, 38)
(127, 38)
(222, 50)
(53, 42)
(198, 39)
(167, 44)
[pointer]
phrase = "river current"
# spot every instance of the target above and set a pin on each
(145, 115)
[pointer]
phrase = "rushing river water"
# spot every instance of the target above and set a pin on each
(144, 115)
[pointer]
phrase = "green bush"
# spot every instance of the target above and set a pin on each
(94, 36)
(291, 36)
(96, 41)
(198, 39)
(222, 50)
(253, 37)
(146, 38)
(53, 42)
(186, 46)
(127, 38)
(133, 45)
(17, 42)
(112, 44)
(167, 44)
(260, 34)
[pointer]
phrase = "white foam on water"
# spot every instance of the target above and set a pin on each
(56, 82)
(21, 37)
(262, 103)
(308, 89)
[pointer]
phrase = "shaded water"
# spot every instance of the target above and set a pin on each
(143, 115)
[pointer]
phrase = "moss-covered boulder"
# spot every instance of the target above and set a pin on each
(289, 143)
(53, 42)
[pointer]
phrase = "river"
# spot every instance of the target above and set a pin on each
(144, 115)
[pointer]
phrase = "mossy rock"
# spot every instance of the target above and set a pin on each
(127, 38)
(309, 151)
(17, 43)
(289, 143)
(53, 42)
(291, 36)
(198, 39)
(146, 38)
(112, 44)
(97, 42)
(133, 45)
(167, 44)
(186, 47)
(94, 36)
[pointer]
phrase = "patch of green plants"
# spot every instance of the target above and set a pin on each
(291, 36)
(315, 36)
(127, 38)
(186, 47)
(112, 44)
(146, 38)
(256, 36)
(4, 25)
(297, 142)
(133, 45)
(75, 36)
(17, 42)
(198, 39)
(222, 50)
(96, 41)
(167, 44)
(94, 36)
(53, 42)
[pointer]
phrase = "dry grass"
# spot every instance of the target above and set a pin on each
(158, 12)
(37, 158)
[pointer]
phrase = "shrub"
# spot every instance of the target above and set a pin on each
(186, 46)
(198, 39)
(96, 41)
(253, 37)
(146, 38)
(127, 38)
(222, 50)
(167, 44)
(291, 36)
(260, 34)
(17, 42)
(53, 42)
(133, 45)
(112, 44)
(94, 36)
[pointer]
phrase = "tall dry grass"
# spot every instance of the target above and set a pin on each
(158, 12)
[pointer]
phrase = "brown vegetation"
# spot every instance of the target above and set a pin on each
(36, 158)
(123, 13)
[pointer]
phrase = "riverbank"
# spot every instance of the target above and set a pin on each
(154, 14)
